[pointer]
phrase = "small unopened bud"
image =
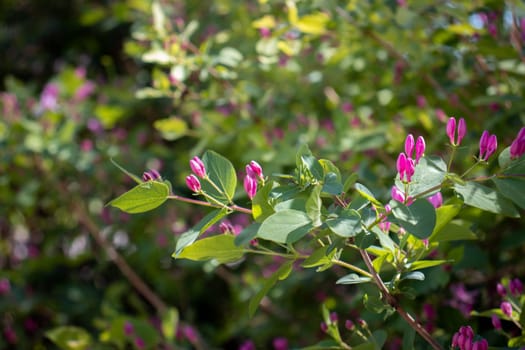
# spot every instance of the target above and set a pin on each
(506, 308)
(451, 130)
(517, 147)
(349, 325)
(150, 175)
(250, 186)
(254, 170)
(333, 317)
(516, 287)
(197, 166)
(487, 145)
(436, 200)
(409, 145)
(420, 148)
(193, 183)
(462, 130)
(128, 328)
(500, 288)
(397, 194)
(496, 322)
(324, 327)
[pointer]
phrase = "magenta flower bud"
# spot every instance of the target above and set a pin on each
(401, 165)
(147, 176)
(420, 148)
(481, 345)
(516, 287)
(462, 130)
(483, 144)
(250, 186)
(496, 322)
(280, 343)
(517, 147)
(500, 288)
(256, 168)
(492, 145)
(349, 325)
(333, 317)
(139, 343)
(410, 169)
(467, 331)
(128, 328)
(384, 226)
(436, 200)
(506, 308)
(197, 166)
(193, 183)
(190, 333)
(5, 286)
(362, 323)
(455, 341)
(409, 145)
(421, 101)
(451, 130)
(397, 195)
(324, 327)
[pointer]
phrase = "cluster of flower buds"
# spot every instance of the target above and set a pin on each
(405, 163)
(487, 145)
(451, 130)
(517, 147)
(254, 173)
(150, 175)
(199, 170)
(515, 290)
(464, 340)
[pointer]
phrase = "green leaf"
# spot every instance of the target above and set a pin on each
(261, 207)
(347, 224)
(314, 23)
(504, 158)
(485, 198)
(133, 176)
(279, 275)
(170, 322)
(69, 338)
(332, 179)
(306, 159)
(353, 278)
(366, 193)
(143, 197)
(350, 181)
(319, 257)
(414, 275)
(286, 226)
(188, 237)
(384, 239)
(313, 206)
(418, 219)
(453, 231)
(221, 172)
(444, 215)
(220, 247)
(171, 128)
(429, 173)
(408, 338)
(423, 264)
(513, 189)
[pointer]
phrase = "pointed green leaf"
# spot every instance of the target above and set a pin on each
(188, 237)
(366, 193)
(313, 206)
(453, 231)
(286, 226)
(319, 257)
(423, 264)
(222, 173)
(485, 198)
(353, 278)
(143, 197)
(444, 215)
(221, 248)
(70, 338)
(347, 224)
(305, 158)
(419, 218)
(170, 322)
(513, 189)
(279, 275)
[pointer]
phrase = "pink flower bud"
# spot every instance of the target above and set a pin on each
(349, 325)
(397, 194)
(333, 317)
(401, 165)
(420, 148)
(481, 345)
(250, 186)
(139, 343)
(483, 144)
(128, 328)
(409, 145)
(253, 169)
(496, 322)
(451, 130)
(280, 343)
(467, 331)
(193, 183)
(410, 169)
(324, 327)
(516, 287)
(462, 130)
(517, 147)
(436, 200)
(500, 288)
(506, 308)
(455, 341)
(492, 145)
(384, 226)
(197, 166)
(5, 286)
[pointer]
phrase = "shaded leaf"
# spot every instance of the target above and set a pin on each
(279, 275)
(347, 224)
(485, 198)
(418, 219)
(188, 237)
(286, 226)
(353, 278)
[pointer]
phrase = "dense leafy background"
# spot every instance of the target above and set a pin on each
(249, 80)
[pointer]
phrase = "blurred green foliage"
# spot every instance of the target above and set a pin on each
(151, 84)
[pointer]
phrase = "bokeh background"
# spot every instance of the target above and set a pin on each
(152, 84)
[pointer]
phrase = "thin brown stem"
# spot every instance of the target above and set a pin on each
(392, 301)
(208, 204)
